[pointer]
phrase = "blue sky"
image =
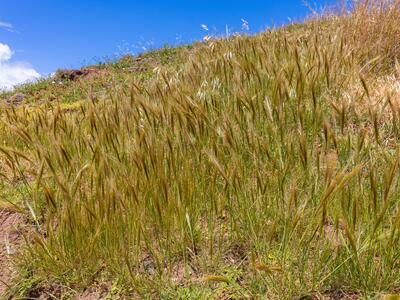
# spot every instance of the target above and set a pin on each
(45, 35)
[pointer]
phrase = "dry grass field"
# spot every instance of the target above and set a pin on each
(246, 167)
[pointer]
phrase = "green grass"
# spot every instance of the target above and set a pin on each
(262, 166)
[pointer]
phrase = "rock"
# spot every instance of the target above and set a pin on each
(73, 75)
(137, 69)
(70, 74)
(16, 99)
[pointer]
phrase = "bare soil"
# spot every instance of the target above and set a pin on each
(10, 242)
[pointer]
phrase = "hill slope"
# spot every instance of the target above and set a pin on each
(262, 166)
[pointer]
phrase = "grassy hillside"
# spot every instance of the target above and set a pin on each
(248, 167)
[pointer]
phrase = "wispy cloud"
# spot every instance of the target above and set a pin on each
(14, 73)
(7, 26)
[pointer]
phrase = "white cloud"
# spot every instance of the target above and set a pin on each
(13, 73)
(5, 52)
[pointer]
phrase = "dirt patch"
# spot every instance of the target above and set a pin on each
(342, 295)
(95, 293)
(10, 242)
(332, 295)
(55, 291)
